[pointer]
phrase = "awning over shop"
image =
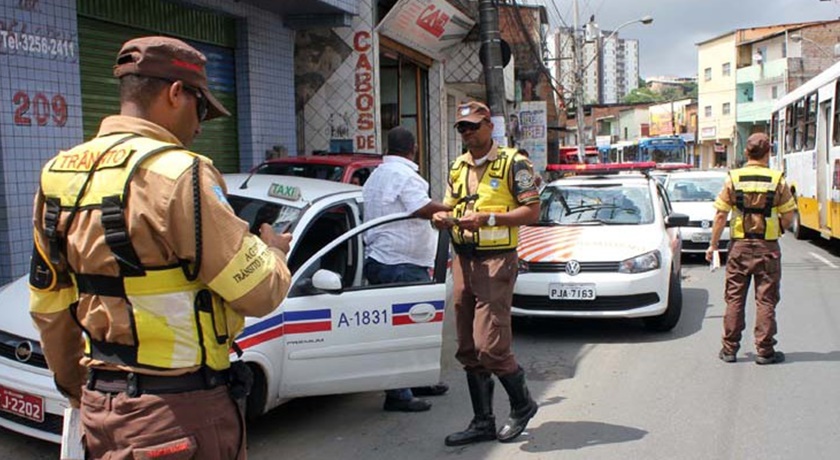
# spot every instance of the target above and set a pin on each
(428, 26)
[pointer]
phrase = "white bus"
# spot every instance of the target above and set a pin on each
(806, 136)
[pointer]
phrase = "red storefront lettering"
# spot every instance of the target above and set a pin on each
(433, 20)
(358, 43)
(363, 82)
(365, 121)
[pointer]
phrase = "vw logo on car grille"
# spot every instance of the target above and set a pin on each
(23, 351)
(705, 224)
(573, 267)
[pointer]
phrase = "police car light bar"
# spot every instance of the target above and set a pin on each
(602, 168)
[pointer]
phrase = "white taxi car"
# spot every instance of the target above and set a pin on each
(604, 247)
(333, 333)
(693, 193)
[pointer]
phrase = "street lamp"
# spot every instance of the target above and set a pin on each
(579, 68)
(798, 37)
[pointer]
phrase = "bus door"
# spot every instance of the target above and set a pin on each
(822, 144)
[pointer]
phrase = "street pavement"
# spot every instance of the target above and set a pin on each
(609, 389)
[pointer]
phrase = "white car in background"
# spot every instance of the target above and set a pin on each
(693, 193)
(333, 333)
(605, 246)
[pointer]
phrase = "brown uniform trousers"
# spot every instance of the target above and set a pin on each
(203, 425)
(483, 292)
(752, 259)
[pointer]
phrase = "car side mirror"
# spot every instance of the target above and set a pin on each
(325, 280)
(676, 219)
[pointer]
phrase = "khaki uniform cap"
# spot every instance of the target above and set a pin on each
(169, 59)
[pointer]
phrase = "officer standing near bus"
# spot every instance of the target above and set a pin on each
(137, 248)
(761, 205)
(492, 192)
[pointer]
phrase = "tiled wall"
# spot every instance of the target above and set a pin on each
(333, 107)
(40, 112)
(49, 81)
(264, 80)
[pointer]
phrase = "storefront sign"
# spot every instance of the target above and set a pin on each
(427, 26)
(708, 133)
(365, 140)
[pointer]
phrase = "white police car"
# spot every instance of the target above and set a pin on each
(693, 193)
(333, 333)
(605, 246)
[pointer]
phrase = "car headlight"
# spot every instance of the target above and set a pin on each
(523, 266)
(640, 264)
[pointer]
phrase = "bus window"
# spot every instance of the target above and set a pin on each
(810, 134)
(836, 123)
(799, 135)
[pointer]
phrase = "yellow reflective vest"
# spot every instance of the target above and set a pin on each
(749, 184)
(177, 321)
(493, 196)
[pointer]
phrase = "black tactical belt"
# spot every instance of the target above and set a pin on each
(134, 384)
(471, 251)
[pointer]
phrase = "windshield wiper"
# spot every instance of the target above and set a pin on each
(546, 223)
(589, 207)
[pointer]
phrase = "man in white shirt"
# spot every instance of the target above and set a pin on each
(403, 251)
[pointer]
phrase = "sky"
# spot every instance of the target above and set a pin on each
(667, 47)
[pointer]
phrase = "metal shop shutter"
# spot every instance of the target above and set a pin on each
(100, 40)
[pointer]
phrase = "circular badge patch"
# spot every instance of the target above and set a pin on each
(524, 179)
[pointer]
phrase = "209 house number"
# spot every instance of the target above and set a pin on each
(39, 108)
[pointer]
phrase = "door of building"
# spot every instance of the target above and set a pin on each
(404, 98)
(103, 28)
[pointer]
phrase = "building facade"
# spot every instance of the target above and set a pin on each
(58, 85)
(608, 75)
(771, 66)
(716, 60)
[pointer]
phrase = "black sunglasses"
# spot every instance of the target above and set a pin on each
(465, 126)
(201, 107)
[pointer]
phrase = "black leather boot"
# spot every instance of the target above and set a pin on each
(522, 407)
(483, 425)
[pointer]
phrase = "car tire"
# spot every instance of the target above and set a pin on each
(255, 404)
(669, 319)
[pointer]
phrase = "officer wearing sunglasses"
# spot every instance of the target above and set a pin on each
(492, 192)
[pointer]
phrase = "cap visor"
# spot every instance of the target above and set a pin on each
(474, 118)
(215, 108)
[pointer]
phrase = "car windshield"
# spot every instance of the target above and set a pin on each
(596, 204)
(310, 170)
(257, 212)
(694, 188)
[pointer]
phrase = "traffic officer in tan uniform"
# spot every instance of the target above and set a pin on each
(137, 250)
(761, 205)
(492, 192)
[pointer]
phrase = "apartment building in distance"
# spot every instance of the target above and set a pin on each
(608, 75)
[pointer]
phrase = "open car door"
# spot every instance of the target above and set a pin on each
(344, 335)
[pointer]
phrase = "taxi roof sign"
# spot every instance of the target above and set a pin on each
(286, 192)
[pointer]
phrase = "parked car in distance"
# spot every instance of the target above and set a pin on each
(693, 193)
(605, 246)
(350, 168)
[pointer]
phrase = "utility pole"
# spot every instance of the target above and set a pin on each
(579, 85)
(491, 57)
